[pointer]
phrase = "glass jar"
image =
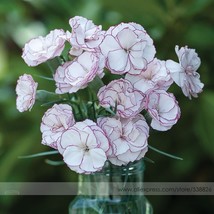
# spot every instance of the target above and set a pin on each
(115, 189)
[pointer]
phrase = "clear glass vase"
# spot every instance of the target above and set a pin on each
(115, 189)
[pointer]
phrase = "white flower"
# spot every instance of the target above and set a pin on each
(85, 35)
(127, 48)
(84, 147)
(122, 94)
(41, 49)
(163, 108)
(155, 77)
(184, 73)
(26, 92)
(127, 137)
(54, 122)
(76, 74)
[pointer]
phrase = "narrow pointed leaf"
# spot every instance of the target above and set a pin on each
(166, 154)
(39, 154)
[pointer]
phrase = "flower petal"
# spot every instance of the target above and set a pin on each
(127, 38)
(118, 60)
(73, 155)
(98, 157)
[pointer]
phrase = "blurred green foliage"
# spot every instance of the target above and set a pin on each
(170, 23)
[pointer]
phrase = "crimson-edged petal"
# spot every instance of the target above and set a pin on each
(75, 75)
(26, 92)
(41, 49)
(184, 73)
(164, 110)
(127, 48)
(54, 122)
(127, 137)
(121, 92)
(91, 144)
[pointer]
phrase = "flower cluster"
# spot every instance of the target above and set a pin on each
(107, 121)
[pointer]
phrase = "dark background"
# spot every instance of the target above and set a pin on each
(170, 23)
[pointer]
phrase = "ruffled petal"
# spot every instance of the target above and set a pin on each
(98, 157)
(127, 38)
(176, 72)
(73, 155)
(109, 44)
(118, 60)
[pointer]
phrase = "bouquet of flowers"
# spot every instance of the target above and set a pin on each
(110, 90)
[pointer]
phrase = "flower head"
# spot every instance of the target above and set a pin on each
(85, 35)
(127, 48)
(41, 49)
(155, 77)
(122, 94)
(127, 137)
(184, 73)
(26, 92)
(55, 121)
(84, 147)
(76, 74)
(163, 108)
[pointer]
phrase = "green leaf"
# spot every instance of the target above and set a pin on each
(164, 153)
(53, 102)
(43, 77)
(39, 154)
(54, 163)
(43, 95)
(148, 160)
(96, 84)
(110, 111)
(47, 98)
(54, 63)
